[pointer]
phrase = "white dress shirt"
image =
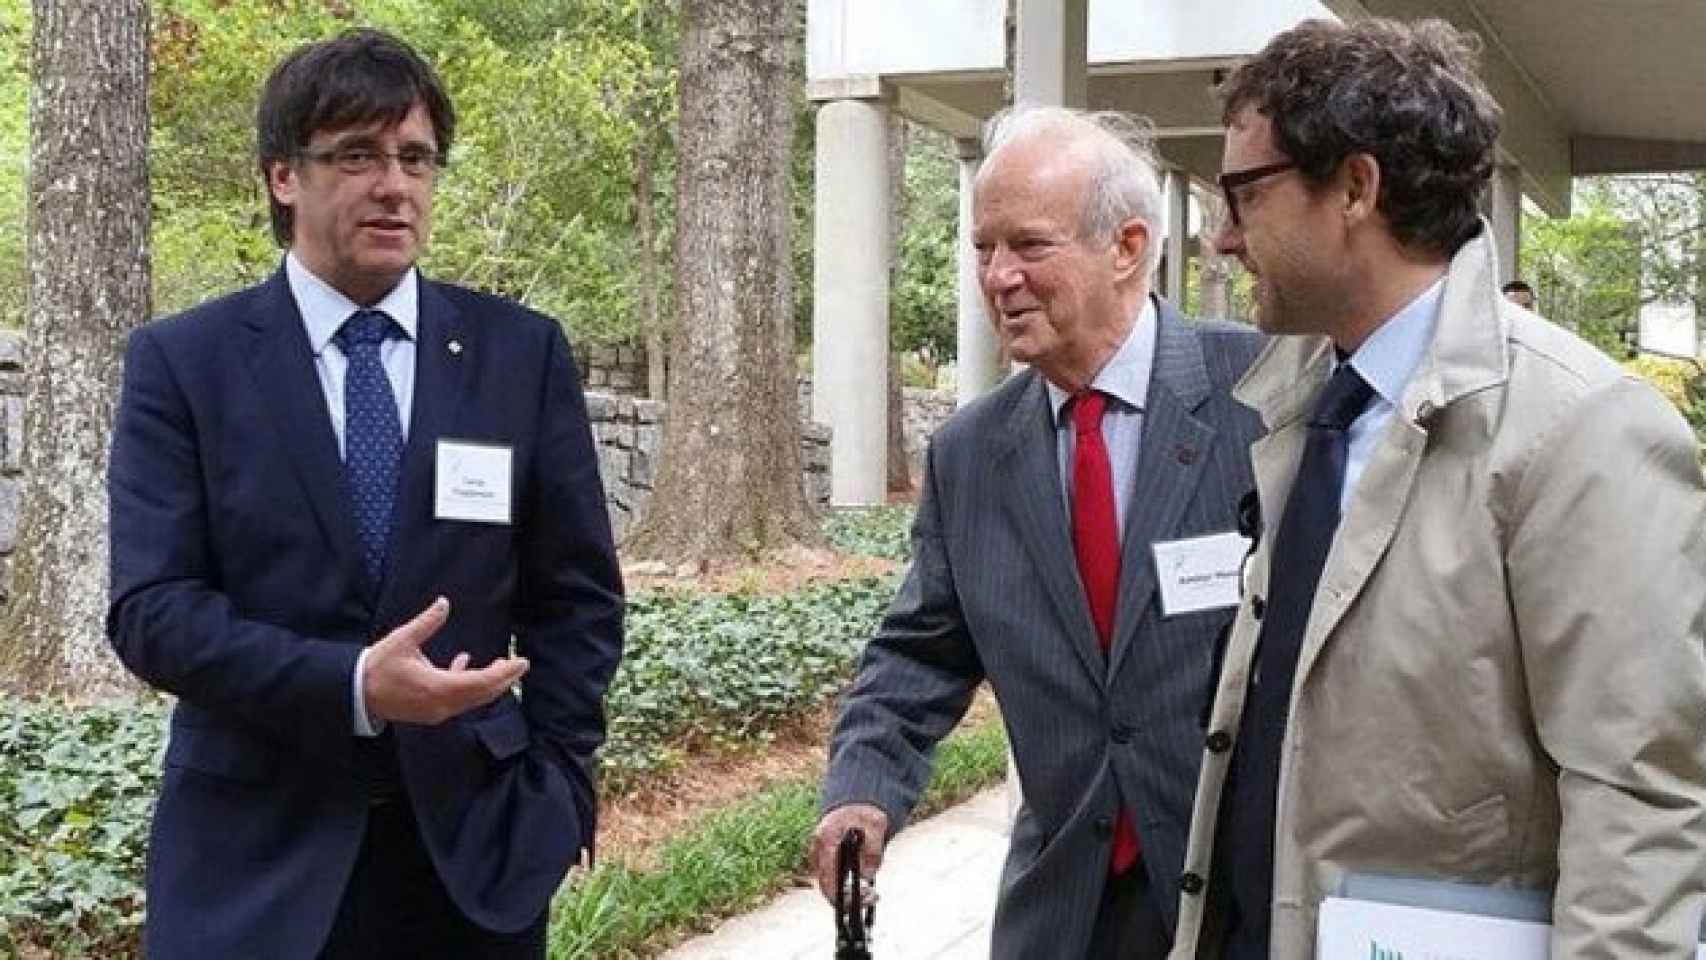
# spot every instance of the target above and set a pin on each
(1386, 361)
(1125, 379)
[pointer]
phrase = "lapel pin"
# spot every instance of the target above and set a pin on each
(1186, 455)
(455, 348)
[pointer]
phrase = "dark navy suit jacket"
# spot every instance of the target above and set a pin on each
(237, 586)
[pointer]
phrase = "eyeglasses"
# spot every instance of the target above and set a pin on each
(414, 161)
(1230, 182)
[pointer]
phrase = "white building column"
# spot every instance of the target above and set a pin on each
(978, 366)
(850, 310)
(1051, 53)
(1178, 226)
(1504, 210)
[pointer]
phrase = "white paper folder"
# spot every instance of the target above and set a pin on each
(1380, 918)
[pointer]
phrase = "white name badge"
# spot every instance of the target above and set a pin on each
(1200, 573)
(472, 482)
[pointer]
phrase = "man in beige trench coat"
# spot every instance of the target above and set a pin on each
(1471, 640)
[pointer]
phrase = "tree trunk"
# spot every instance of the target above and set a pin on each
(729, 486)
(88, 267)
(900, 478)
(645, 213)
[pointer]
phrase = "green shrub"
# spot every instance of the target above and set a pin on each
(731, 669)
(876, 531)
(77, 786)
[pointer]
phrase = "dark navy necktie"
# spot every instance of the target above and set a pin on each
(373, 434)
(1300, 551)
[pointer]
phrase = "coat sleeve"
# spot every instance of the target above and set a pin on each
(1607, 572)
(569, 598)
(167, 620)
(915, 681)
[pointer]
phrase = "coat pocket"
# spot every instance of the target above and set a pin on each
(503, 733)
(222, 753)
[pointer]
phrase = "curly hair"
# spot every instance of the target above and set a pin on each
(1407, 94)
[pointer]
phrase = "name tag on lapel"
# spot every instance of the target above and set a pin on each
(1199, 573)
(472, 481)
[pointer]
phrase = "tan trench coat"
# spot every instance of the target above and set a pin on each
(1503, 678)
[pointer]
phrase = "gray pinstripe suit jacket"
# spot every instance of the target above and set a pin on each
(993, 592)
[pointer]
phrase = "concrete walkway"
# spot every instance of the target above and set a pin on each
(937, 886)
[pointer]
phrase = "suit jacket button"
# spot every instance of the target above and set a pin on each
(1104, 826)
(1121, 733)
(1191, 883)
(1219, 741)
(1258, 606)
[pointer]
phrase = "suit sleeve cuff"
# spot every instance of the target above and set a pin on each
(366, 725)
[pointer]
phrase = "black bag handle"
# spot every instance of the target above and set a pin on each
(853, 915)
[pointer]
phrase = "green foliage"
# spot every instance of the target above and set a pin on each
(873, 531)
(925, 298)
(76, 789)
(735, 859)
(553, 100)
(14, 157)
(728, 669)
(1586, 271)
(731, 862)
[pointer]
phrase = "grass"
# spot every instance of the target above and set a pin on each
(736, 859)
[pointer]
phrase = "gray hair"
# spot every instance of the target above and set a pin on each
(1124, 184)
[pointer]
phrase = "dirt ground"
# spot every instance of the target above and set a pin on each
(790, 570)
(632, 828)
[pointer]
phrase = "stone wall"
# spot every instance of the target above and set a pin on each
(613, 369)
(628, 432)
(922, 411)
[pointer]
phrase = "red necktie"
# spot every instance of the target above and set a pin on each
(1096, 541)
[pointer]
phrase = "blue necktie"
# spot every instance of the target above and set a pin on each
(373, 434)
(1301, 545)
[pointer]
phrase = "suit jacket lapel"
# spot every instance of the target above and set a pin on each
(281, 363)
(1030, 460)
(445, 345)
(1170, 462)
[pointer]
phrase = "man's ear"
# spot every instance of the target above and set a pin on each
(1131, 246)
(282, 182)
(1360, 177)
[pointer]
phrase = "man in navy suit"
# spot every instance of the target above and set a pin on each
(351, 510)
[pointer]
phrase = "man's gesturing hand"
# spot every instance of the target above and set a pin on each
(401, 684)
(826, 840)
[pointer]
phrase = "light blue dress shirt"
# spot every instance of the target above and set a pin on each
(1124, 378)
(1386, 361)
(324, 310)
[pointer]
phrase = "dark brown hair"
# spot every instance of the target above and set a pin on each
(361, 77)
(1406, 94)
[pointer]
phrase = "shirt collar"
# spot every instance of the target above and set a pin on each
(324, 309)
(1125, 376)
(1389, 357)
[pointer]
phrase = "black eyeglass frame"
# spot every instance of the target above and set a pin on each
(1230, 182)
(426, 161)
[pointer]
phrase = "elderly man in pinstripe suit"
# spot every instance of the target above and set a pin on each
(1043, 509)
